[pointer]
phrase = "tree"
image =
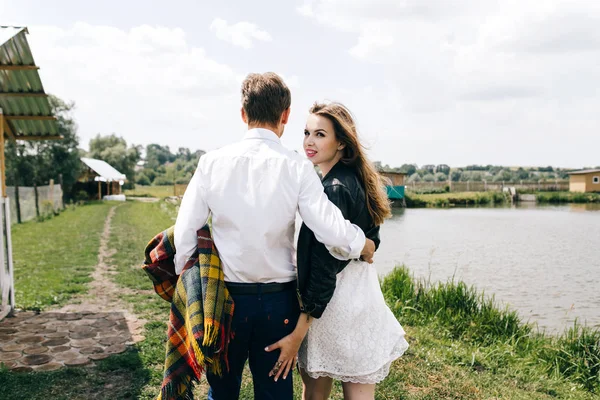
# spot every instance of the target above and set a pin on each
(184, 154)
(429, 168)
(476, 176)
(142, 179)
(158, 155)
(440, 177)
(408, 169)
(522, 174)
(456, 175)
(414, 178)
(30, 163)
(428, 178)
(443, 168)
(114, 150)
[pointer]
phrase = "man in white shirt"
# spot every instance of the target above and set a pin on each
(253, 189)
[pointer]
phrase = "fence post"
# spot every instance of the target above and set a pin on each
(17, 202)
(62, 188)
(37, 205)
(52, 193)
(468, 186)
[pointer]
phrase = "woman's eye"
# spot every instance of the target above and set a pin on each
(306, 133)
(320, 134)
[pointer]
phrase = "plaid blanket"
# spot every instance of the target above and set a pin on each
(201, 312)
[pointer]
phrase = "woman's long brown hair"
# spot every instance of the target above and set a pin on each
(378, 203)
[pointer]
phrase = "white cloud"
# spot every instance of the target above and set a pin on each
(242, 34)
(305, 9)
(510, 72)
(147, 84)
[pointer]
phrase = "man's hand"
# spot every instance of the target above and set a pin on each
(368, 251)
(288, 346)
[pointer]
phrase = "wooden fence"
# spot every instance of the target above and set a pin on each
(483, 186)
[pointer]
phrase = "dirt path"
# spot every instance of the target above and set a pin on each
(103, 294)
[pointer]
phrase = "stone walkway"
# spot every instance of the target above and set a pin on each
(50, 340)
(91, 327)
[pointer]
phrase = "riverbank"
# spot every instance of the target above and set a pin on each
(498, 339)
(462, 346)
(567, 197)
(414, 200)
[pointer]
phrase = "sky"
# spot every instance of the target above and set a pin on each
(429, 81)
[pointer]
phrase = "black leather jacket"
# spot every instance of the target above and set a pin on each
(317, 269)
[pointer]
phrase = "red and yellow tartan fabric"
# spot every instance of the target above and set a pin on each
(199, 328)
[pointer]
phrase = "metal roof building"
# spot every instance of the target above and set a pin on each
(105, 172)
(25, 106)
(25, 114)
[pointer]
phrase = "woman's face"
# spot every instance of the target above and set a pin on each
(320, 144)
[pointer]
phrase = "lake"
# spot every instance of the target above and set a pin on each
(543, 261)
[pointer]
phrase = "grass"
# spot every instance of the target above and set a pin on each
(570, 361)
(134, 225)
(463, 346)
(466, 313)
(454, 199)
(150, 191)
(53, 259)
(137, 373)
(567, 197)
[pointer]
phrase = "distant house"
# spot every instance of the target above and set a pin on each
(140, 165)
(99, 179)
(584, 181)
(395, 184)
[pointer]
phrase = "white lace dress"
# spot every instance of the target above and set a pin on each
(357, 337)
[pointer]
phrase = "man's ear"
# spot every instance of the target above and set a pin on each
(285, 116)
(244, 116)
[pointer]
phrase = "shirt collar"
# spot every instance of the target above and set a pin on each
(263, 134)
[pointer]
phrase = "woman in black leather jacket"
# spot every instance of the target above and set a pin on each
(351, 334)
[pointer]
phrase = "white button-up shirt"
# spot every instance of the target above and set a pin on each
(253, 189)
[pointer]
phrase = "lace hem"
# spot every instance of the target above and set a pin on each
(367, 379)
(373, 378)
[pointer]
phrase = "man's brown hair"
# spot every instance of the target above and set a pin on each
(264, 98)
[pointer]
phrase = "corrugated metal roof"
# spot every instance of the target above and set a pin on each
(21, 90)
(585, 171)
(105, 171)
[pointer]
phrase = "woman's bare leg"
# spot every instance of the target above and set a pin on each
(315, 389)
(358, 391)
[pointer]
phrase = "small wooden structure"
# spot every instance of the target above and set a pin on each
(102, 172)
(395, 184)
(25, 114)
(584, 181)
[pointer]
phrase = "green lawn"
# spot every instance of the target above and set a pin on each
(53, 259)
(150, 191)
(443, 362)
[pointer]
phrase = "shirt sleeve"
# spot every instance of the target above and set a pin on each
(324, 268)
(193, 215)
(344, 240)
